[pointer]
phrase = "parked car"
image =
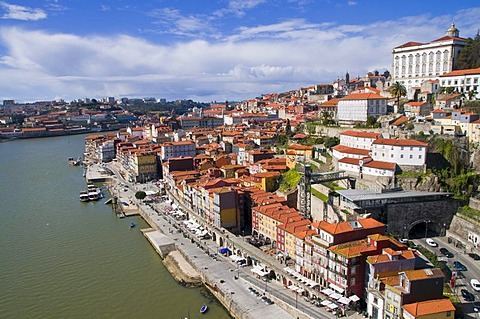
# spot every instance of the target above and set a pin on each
(431, 242)
(475, 284)
(474, 256)
(459, 266)
(403, 240)
(467, 295)
(446, 252)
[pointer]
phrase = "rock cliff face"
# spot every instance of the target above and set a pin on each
(427, 184)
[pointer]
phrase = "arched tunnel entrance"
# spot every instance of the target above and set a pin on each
(423, 229)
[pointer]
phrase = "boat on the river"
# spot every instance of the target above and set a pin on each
(204, 309)
(132, 225)
(74, 162)
(84, 196)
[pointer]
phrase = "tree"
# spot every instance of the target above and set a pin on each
(371, 121)
(288, 129)
(140, 195)
(331, 142)
(469, 57)
(397, 90)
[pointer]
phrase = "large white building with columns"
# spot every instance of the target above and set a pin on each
(415, 62)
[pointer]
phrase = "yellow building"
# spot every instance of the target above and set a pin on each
(266, 181)
(142, 165)
(430, 309)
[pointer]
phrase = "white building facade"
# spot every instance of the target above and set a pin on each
(357, 107)
(463, 81)
(415, 62)
(401, 152)
(178, 149)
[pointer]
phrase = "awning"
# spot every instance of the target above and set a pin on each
(325, 302)
(336, 288)
(327, 291)
(344, 300)
(259, 271)
(335, 296)
(354, 298)
(332, 306)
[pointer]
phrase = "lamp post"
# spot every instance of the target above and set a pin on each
(426, 230)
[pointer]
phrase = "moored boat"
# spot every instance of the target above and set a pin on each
(132, 225)
(84, 196)
(204, 309)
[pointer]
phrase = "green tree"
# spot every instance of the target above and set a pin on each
(397, 90)
(371, 121)
(469, 57)
(288, 129)
(331, 142)
(140, 195)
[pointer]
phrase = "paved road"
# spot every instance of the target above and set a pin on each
(464, 277)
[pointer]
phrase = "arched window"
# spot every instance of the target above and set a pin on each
(417, 58)
(437, 67)
(417, 68)
(430, 67)
(445, 66)
(430, 57)
(404, 58)
(439, 56)
(424, 68)
(445, 55)
(410, 59)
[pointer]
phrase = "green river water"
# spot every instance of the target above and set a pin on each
(61, 258)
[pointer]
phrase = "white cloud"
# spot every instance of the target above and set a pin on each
(238, 7)
(262, 59)
(16, 12)
(352, 3)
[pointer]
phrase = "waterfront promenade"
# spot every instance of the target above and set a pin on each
(200, 259)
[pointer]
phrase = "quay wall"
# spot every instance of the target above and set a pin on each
(224, 297)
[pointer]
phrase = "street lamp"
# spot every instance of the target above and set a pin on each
(426, 229)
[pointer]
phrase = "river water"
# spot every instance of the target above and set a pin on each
(61, 258)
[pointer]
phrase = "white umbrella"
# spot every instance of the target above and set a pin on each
(327, 291)
(336, 296)
(354, 298)
(325, 302)
(344, 300)
(332, 306)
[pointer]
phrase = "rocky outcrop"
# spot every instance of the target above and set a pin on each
(428, 183)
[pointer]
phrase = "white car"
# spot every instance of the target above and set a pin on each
(475, 284)
(431, 242)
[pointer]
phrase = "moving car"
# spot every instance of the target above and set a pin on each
(467, 295)
(459, 266)
(475, 284)
(431, 242)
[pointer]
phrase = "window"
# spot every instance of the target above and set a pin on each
(411, 156)
(401, 155)
(449, 313)
(419, 156)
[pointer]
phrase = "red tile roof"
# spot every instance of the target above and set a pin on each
(462, 72)
(372, 135)
(363, 96)
(350, 150)
(398, 142)
(429, 307)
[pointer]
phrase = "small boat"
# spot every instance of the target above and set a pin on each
(74, 162)
(132, 225)
(204, 309)
(84, 196)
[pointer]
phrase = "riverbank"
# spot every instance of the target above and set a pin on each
(194, 262)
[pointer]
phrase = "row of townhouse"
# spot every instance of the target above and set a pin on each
(457, 122)
(370, 155)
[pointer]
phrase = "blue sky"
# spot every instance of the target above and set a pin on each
(206, 50)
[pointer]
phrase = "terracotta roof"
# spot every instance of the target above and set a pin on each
(344, 227)
(363, 96)
(363, 134)
(381, 165)
(447, 37)
(429, 307)
(461, 72)
(398, 142)
(401, 120)
(351, 150)
(409, 44)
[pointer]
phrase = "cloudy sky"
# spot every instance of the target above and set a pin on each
(206, 50)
